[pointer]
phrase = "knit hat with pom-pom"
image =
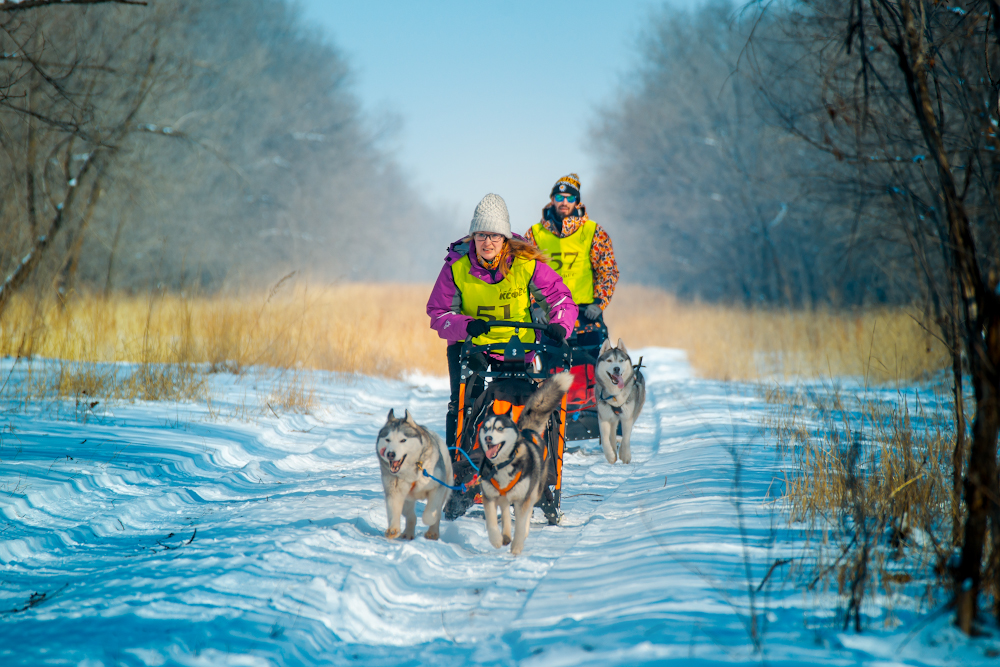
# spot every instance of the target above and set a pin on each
(491, 217)
(567, 185)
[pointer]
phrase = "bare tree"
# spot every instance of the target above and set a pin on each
(795, 153)
(70, 100)
(225, 148)
(739, 210)
(904, 94)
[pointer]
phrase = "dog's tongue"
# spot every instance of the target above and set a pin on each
(617, 379)
(493, 450)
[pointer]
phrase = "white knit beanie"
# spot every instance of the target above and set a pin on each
(491, 216)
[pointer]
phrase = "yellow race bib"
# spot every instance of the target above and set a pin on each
(506, 300)
(571, 258)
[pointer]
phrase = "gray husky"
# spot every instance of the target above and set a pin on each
(620, 393)
(405, 449)
(515, 468)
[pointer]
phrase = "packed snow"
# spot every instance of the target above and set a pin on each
(196, 534)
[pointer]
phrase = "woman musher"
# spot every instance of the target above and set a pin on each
(493, 274)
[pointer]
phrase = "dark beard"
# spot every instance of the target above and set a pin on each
(557, 219)
(559, 216)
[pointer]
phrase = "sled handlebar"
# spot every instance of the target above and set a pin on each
(519, 325)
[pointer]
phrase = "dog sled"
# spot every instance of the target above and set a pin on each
(498, 378)
(581, 403)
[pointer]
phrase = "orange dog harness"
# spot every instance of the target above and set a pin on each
(503, 491)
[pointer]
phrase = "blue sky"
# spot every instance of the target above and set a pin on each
(490, 96)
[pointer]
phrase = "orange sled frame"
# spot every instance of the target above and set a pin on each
(497, 378)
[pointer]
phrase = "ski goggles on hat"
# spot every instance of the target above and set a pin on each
(570, 198)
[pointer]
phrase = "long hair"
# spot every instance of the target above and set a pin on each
(513, 248)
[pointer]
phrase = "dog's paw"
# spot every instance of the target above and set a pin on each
(392, 533)
(432, 533)
(506, 540)
(407, 536)
(496, 542)
(515, 550)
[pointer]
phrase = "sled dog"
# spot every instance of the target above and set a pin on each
(515, 468)
(405, 449)
(620, 393)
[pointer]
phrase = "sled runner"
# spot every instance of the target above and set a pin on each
(492, 385)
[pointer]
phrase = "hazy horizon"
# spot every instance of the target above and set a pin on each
(472, 89)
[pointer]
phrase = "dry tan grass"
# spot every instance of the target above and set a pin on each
(289, 394)
(882, 461)
(382, 329)
(372, 329)
(734, 343)
(90, 383)
(877, 487)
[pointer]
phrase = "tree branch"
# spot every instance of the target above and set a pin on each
(14, 5)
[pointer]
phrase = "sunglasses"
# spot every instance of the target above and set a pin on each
(492, 238)
(570, 198)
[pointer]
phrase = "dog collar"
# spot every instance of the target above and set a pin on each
(500, 466)
(607, 399)
(617, 409)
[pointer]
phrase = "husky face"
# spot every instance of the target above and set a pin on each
(398, 441)
(498, 434)
(614, 364)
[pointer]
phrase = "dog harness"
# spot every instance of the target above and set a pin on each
(488, 469)
(517, 478)
(424, 452)
(504, 490)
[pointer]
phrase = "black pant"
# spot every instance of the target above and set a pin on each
(455, 379)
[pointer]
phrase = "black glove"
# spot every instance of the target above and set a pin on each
(476, 328)
(555, 332)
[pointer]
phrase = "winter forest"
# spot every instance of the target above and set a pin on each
(218, 265)
(208, 140)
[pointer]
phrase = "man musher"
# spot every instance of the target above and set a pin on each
(581, 254)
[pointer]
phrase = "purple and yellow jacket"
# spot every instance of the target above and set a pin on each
(445, 303)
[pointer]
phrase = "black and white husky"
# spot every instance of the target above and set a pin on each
(515, 469)
(405, 449)
(620, 393)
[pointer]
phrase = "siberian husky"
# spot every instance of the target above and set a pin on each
(405, 450)
(514, 469)
(620, 393)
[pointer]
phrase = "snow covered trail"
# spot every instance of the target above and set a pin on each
(159, 534)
